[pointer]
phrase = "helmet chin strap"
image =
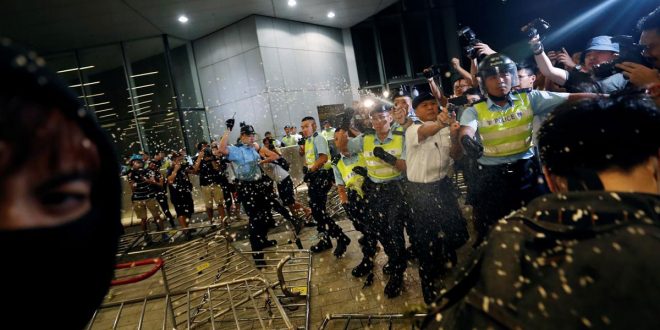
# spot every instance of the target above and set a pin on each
(498, 98)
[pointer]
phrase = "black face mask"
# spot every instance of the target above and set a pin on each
(60, 274)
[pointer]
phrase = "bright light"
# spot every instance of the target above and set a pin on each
(331, 14)
(386, 94)
(292, 3)
(183, 19)
(368, 103)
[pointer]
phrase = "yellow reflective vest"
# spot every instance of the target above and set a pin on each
(310, 152)
(352, 180)
(376, 167)
(508, 132)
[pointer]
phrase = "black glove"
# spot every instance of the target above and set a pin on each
(301, 142)
(360, 170)
(335, 159)
(382, 154)
(230, 123)
(473, 148)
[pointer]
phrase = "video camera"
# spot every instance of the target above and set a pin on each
(536, 27)
(629, 51)
(468, 39)
(434, 71)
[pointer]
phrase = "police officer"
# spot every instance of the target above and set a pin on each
(246, 160)
(439, 228)
(508, 172)
(349, 185)
(318, 175)
(289, 138)
(384, 152)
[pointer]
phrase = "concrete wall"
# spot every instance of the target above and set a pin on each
(271, 72)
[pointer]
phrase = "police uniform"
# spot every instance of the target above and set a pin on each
(385, 207)
(319, 183)
(355, 208)
(249, 183)
(437, 225)
(508, 174)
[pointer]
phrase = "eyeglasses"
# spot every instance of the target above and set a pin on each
(520, 77)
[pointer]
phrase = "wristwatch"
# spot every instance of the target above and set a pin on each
(577, 68)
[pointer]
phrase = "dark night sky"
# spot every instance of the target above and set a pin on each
(497, 22)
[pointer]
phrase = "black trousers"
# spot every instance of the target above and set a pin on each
(161, 197)
(505, 188)
(319, 185)
(357, 213)
(227, 189)
(439, 227)
(255, 203)
(387, 211)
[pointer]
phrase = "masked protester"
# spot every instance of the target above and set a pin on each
(59, 198)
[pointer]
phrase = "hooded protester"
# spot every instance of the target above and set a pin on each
(59, 198)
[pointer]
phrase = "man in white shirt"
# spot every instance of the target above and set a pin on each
(438, 228)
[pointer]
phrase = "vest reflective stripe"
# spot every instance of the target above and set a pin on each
(352, 180)
(377, 168)
(507, 132)
(310, 155)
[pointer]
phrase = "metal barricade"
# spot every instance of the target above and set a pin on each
(372, 321)
(208, 284)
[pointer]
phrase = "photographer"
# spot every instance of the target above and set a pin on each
(599, 50)
(209, 169)
(143, 197)
(504, 123)
(181, 190)
(638, 74)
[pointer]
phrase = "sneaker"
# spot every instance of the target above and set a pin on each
(394, 286)
(322, 245)
(342, 243)
(363, 268)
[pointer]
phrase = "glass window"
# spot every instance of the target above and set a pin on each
(185, 74)
(365, 55)
(195, 127)
(106, 93)
(419, 43)
(161, 131)
(391, 43)
(66, 66)
(151, 89)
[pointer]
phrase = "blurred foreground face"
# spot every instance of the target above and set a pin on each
(54, 184)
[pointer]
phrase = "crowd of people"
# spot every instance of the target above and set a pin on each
(563, 178)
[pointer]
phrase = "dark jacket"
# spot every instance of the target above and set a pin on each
(567, 261)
